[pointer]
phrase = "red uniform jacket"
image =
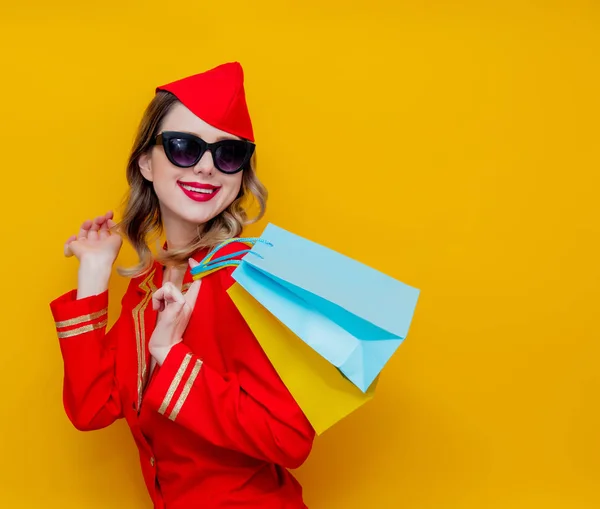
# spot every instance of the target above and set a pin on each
(215, 426)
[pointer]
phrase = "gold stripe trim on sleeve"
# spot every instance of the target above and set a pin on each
(81, 319)
(82, 330)
(174, 384)
(186, 390)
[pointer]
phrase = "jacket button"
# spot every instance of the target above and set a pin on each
(152, 461)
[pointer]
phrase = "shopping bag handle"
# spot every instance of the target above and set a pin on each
(209, 264)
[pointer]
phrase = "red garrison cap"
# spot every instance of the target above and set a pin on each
(216, 96)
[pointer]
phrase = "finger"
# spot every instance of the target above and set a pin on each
(67, 247)
(96, 224)
(158, 299)
(103, 232)
(111, 224)
(92, 234)
(193, 263)
(83, 231)
(192, 294)
(98, 221)
(173, 294)
(166, 295)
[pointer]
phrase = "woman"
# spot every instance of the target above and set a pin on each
(214, 424)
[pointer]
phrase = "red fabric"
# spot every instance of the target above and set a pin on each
(216, 427)
(217, 96)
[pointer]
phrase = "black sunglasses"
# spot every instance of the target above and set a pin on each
(185, 150)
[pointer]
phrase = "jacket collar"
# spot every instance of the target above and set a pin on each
(154, 277)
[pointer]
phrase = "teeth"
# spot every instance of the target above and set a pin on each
(197, 190)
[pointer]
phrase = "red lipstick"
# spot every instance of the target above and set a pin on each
(199, 192)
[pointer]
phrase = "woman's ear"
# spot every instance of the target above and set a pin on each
(145, 166)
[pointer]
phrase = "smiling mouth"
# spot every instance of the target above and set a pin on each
(195, 189)
(199, 192)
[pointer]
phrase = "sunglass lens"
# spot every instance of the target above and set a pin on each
(230, 156)
(184, 152)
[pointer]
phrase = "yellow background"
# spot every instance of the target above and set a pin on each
(453, 145)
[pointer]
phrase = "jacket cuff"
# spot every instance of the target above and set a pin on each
(74, 316)
(172, 382)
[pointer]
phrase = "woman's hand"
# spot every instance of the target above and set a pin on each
(95, 242)
(96, 248)
(174, 312)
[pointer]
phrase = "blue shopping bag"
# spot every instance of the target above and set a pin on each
(352, 315)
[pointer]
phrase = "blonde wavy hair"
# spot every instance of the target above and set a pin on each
(142, 217)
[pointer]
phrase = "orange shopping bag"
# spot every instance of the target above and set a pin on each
(323, 393)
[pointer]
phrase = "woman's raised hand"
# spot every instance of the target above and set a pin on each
(96, 248)
(174, 313)
(95, 242)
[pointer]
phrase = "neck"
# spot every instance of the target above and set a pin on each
(178, 233)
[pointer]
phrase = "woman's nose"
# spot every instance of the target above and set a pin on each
(205, 165)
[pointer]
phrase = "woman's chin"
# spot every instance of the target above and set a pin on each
(201, 217)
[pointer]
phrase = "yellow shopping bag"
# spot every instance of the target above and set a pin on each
(323, 393)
